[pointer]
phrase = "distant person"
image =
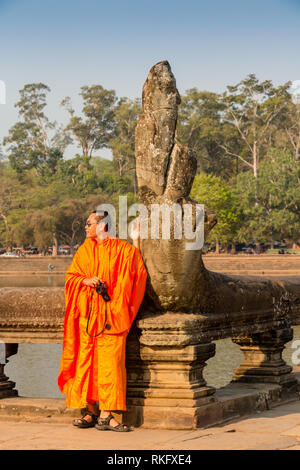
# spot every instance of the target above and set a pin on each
(50, 267)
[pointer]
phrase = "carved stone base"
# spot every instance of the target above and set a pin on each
(156, 417)
(165, 385)
(6, 386)
(263, 358)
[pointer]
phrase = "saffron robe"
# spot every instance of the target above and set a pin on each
(93, 367)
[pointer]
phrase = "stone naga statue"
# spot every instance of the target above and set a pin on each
(178, 280)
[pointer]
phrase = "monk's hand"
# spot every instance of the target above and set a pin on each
(134, 230)
(91, 282)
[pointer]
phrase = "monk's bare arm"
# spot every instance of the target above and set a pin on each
(135, 235)
(136, 243)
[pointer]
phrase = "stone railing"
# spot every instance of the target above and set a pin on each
(170, 351)
(28, 315)
(167, 352)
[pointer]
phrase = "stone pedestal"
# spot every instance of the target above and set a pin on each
(7, 386)
(263, 358)
(165, 385)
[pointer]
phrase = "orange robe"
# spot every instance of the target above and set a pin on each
(94, 367)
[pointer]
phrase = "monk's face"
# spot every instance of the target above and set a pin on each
(91, 226)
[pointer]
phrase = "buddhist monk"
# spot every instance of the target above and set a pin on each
(92, 371)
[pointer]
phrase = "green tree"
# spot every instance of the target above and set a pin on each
(42, 203)
(31, 108)
(11, 199)
(270, 203)
(94, 130)
(30, 141)
(2, 156)
(254, 108)
(200, 127)
(122, 144)
(217, 196)
(288, 134)
(24, 151)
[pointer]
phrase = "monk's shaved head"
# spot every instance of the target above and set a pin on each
(100, 215)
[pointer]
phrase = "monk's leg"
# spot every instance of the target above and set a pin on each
(92, 392)
(111, 375)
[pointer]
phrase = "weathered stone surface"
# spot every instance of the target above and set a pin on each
(230, 402)
(167, 376)
(178, 280)
(31, 314)
(156, 129)
(187, 306)
(181, 329)
(263, 358)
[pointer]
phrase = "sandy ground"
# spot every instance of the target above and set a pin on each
(278, 428)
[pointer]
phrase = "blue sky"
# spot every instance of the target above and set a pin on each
(69, 43)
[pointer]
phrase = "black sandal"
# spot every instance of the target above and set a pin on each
(83, 423)
(103, 425)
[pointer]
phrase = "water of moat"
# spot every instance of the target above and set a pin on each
(35, 367)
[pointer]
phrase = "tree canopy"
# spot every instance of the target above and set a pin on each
(246, 140)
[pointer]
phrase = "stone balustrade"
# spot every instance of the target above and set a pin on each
(166, 352)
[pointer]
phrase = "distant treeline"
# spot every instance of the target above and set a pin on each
(246, 141)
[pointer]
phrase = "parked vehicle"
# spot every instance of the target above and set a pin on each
(248, 250)
(10, 254)
(64, 250)
(32, 251)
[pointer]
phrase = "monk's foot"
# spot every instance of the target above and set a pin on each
(113, 422)
(89, 418)
(79, 421)
(106, 421)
